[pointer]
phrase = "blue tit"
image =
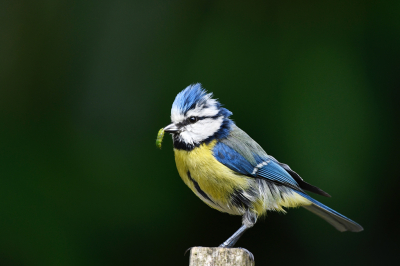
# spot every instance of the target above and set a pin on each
(230, 172)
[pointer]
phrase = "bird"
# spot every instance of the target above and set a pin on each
(231, 172)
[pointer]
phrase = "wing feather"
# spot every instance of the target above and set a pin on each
(242, 154)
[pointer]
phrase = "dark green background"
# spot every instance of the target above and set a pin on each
(86, 85)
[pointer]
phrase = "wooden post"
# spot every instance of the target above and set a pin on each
(204, 256)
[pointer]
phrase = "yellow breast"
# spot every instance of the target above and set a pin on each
(214, 178)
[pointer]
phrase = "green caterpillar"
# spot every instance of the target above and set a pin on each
(160, 137)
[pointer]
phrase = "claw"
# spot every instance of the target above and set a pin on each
(190, 249)
(223, 245)
(248, 253)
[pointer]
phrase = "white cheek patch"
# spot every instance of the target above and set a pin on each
(201, 130)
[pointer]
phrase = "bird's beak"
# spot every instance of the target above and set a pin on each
(171, 128)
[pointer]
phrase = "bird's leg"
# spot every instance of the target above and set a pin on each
(230, 242)
(248, 220)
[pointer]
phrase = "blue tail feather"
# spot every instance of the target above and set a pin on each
(339, 221)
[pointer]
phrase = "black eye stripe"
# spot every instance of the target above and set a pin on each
(199, 118)
(187, 122)
(204, 117)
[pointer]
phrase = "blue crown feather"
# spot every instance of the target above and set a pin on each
(194, 95)
(191, 96)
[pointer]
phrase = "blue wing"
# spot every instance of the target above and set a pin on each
(273, 171)
(270, 170)
(232, 159)
(242, 154)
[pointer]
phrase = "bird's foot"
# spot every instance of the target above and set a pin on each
(249, 253)
(190, 249)
(223, 245)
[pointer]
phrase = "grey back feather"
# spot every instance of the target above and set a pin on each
(244, 145)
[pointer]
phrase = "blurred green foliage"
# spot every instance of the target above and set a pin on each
(85, 85)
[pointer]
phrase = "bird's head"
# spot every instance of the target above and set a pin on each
(197, 118)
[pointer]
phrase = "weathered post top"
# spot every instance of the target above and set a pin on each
(205, 256)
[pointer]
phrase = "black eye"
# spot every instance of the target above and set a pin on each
(193, 119)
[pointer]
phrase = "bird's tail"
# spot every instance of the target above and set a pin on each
(340, 222)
